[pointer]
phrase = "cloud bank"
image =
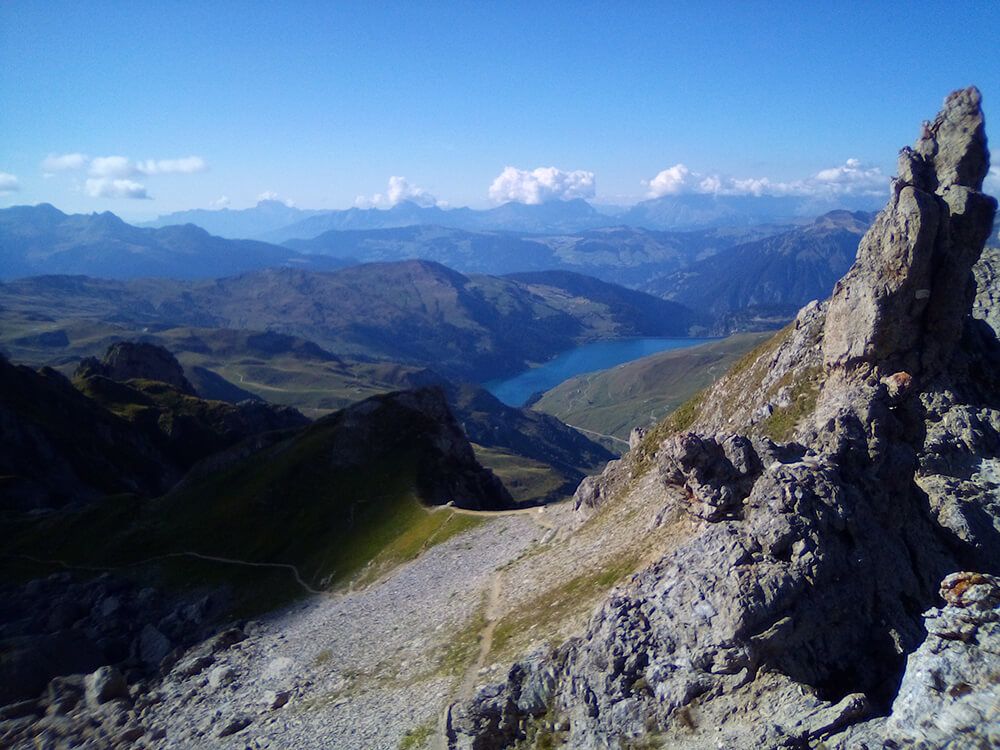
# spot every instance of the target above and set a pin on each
(63, 162)
(111, 176)
(185, 165)
(398, 190)
(109, 187)
(670, 181)
(541, 185)
(8, 183)
(111, 166)
(852, 178)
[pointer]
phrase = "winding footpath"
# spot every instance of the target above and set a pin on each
(599, 434)
(186, 553)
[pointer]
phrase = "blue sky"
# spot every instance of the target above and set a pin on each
(321, 103)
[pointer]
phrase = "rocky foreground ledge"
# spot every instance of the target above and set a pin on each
(840, 585)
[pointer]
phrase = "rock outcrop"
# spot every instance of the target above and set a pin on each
(802, 608)
(136, 360)
(393, 423)
(144, 384)
(986, 306)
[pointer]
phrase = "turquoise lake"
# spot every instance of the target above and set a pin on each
(600, 355)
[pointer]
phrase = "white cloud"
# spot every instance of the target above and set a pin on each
(111, 166)
(270, 195)
(63, 162)
(541, 185)
(122, 166)
(221, 202)
(398, 190)
(108, 187)
(852, 178)
(993, 178)
(184, 165)
(401, 190)
(670, 181)
(8, 183)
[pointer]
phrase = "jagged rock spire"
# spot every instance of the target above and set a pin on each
(901, 306)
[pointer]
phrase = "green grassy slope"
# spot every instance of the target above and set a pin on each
(642, 392)
(344, 499)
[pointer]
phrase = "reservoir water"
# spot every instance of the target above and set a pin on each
(600, 355)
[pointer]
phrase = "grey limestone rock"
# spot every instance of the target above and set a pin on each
(949, 694)
(103, 685)
(793, 612)
(153, 645)
(901, 306)
(986, 306)
(221, 676)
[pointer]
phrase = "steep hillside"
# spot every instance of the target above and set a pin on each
(350, 494)
(41, 239)
(640, 393)
(45, 460)
(832, 577)
(778, 273)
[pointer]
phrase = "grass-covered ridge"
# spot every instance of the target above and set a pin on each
(302, 500)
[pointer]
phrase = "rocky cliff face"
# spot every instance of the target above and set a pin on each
(836, 477)
(129, 360)
(987, 303)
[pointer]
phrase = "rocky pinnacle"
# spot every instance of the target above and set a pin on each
(902, 304)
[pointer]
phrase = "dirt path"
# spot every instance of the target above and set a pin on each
(471, 676)
(599, 434)
(537, 513)
(485, 637)
(542, 518)
(187, 553)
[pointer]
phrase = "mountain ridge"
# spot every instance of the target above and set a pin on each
(471, 327)
(43, 238)
(684, 212)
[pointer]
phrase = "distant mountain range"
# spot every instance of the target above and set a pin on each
(778, 274)
(43, 240)
(744, 277)
(622, 255)
(276, 222)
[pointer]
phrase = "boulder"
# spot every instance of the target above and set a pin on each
(104, 685)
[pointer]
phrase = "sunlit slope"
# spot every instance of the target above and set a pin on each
(642, 392)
